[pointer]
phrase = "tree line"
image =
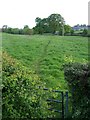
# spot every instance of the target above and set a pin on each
(26, 30)
(54, 24)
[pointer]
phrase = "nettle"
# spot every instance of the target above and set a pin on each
(78, 77)
(21, 96)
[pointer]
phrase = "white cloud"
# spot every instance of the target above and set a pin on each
(17, 13)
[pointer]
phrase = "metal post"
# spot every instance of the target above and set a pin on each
(66, 104)
(62, 105)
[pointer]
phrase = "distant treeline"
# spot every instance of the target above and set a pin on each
(26, 30)
(54, 24)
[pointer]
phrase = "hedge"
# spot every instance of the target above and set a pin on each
(21, 96)
(78, 77)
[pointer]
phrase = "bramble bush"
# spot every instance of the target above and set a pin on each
(78, 77)
(21, 96)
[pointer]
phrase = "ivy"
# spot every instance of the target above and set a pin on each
(21, 96)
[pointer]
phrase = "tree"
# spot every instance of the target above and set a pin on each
(67, 29)
(4, 28)
(72, 32)
(26, 26)
(15, 31)
(45, 25)
(9, 30)
(85, 32)
(40, 25)
(26, 30)
(56, 22)
(37, 20)
(20, 31)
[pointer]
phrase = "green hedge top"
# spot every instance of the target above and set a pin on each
(78, 76)
(76, 71)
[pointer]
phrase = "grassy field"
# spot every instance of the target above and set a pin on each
(46, 55)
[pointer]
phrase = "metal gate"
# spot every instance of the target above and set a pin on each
(63, 101)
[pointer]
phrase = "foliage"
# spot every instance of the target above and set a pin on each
(21, 95)
(56, 22)
(67, 29)
(26, 30)
(50, 24)
(85, 32)
(72, 32)
(76, 32)
(78, 77)
(42, 26)
(4, 28)
(37, 20)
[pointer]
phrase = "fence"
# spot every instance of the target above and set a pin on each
(63, 101)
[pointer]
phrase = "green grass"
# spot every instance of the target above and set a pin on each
(47, 54)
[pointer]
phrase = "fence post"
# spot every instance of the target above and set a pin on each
(62, 105)
(66, 104)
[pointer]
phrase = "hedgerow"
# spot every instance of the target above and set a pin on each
(78, 77)
(21, 96)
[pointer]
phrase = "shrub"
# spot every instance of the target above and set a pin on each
(78, 77)
(85, 33)
(21, 95)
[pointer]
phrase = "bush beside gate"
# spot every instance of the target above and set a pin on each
(78, 77)
(21, 96)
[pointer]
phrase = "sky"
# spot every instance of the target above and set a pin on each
(17, 13)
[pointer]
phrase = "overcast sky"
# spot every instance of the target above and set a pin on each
(17, 13)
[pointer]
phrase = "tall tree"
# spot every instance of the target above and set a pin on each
(41, 25)
(37, 20)
(56, 22)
